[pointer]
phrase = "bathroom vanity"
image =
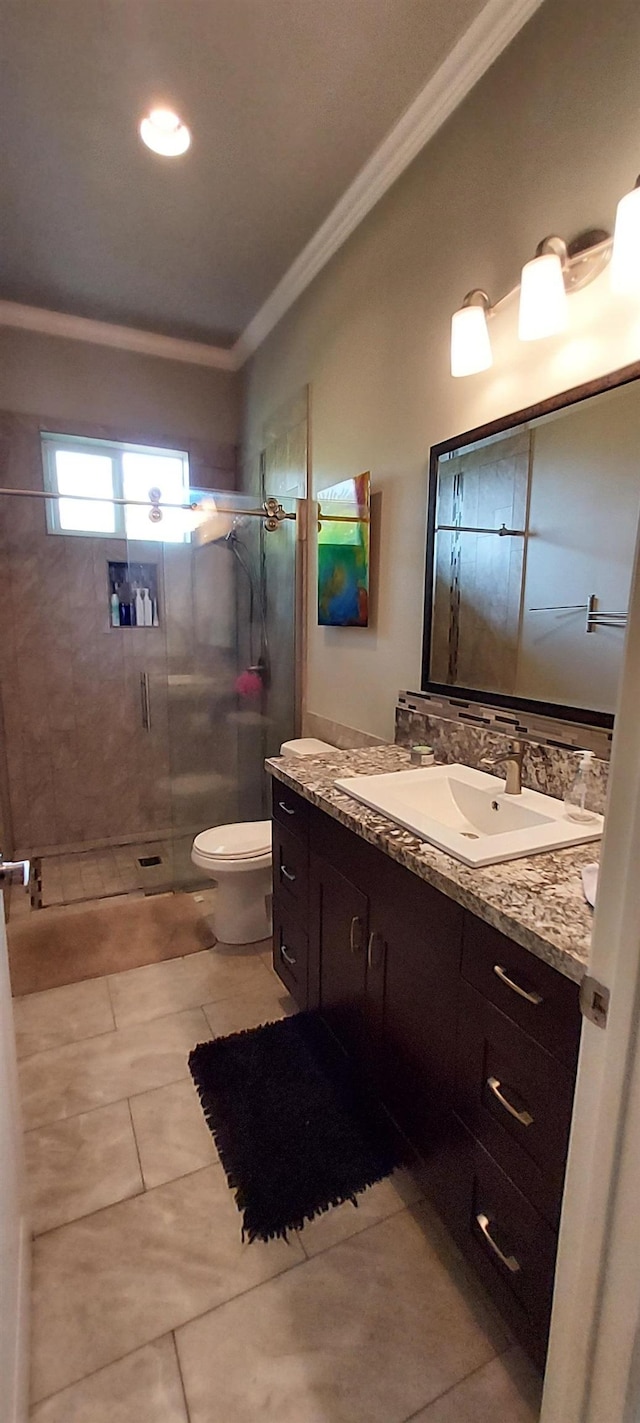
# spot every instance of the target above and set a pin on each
(456, 991)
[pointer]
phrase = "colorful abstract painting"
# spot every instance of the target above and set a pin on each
(343, 553)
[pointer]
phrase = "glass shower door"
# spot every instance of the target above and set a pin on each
(84, 784)
(230, 637)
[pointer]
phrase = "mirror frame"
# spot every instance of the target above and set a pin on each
(624, 376)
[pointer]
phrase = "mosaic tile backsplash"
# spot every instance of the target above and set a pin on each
(548, 766)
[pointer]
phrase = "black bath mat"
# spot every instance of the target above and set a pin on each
(294, 1130)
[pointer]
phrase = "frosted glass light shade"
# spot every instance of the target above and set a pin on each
(470, 344)
(625, 258)
(543, 299)
(165, 133)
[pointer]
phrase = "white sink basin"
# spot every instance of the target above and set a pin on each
(468, 813)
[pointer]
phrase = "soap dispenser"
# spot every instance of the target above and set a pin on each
(580, 790)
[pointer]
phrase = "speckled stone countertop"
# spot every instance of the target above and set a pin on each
(537, 901)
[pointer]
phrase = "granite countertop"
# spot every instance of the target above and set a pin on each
(537, 901)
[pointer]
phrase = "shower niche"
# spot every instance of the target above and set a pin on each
(133, 595)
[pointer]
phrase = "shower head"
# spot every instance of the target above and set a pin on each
(212, 527)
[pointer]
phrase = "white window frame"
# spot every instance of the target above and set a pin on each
(51, 443)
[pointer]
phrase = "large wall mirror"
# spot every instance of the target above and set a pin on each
(531, 537)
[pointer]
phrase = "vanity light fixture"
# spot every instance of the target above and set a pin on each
(164, 133)
(546, 281)
(470, 344)
(625, 259)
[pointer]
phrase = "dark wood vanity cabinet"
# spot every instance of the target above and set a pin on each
(469, 1041)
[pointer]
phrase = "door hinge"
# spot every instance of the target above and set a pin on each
(594, 1001)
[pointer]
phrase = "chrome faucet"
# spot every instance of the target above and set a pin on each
(512, 760)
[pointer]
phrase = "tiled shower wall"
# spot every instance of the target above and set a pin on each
(79, 767)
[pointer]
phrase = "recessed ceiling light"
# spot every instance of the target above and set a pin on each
(164, 132)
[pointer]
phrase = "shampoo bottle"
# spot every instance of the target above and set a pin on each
(579, 790)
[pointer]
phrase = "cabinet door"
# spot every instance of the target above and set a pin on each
(413, 956)
(338, 937)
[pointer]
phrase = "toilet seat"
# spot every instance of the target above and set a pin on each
(238, 859)
(247, 840)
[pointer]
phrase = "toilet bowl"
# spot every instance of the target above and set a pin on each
(238, 858)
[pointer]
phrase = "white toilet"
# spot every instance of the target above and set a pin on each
(238, 858)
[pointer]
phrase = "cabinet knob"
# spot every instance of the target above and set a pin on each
(286, 808)
(288, 874)
(355, 934)
(288, 958)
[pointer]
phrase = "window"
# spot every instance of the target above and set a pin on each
(102, 472)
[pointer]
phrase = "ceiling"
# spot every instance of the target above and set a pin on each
(286, 100)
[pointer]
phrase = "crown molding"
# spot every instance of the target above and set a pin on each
(122, 338)
(489, 34)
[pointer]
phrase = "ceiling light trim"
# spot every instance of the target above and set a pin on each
(488, 35)
(121, 338)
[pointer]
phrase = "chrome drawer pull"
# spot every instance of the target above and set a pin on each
(373, 938)
(355, 935)
(509, 1261)
(288, 874)
(531, 996)
(287, 809)
(288, 958)
(524, 1117)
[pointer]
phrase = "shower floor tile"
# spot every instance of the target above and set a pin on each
(98, 874)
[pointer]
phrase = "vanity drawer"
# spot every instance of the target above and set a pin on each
(290, 868)
(529, 992)
(510, 1245)
(515, 1098)
(290, 809)
(290, 953)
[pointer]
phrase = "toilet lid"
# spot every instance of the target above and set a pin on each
(235, 842)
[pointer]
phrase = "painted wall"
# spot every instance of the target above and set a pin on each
(76, 381)
(547, 141)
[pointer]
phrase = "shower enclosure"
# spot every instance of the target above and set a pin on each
(143, 680)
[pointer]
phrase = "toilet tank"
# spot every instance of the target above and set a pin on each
(306, 746)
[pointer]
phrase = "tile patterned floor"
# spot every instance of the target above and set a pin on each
(147, 1306)
(99, 874)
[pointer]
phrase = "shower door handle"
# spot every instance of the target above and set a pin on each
(145, 701)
